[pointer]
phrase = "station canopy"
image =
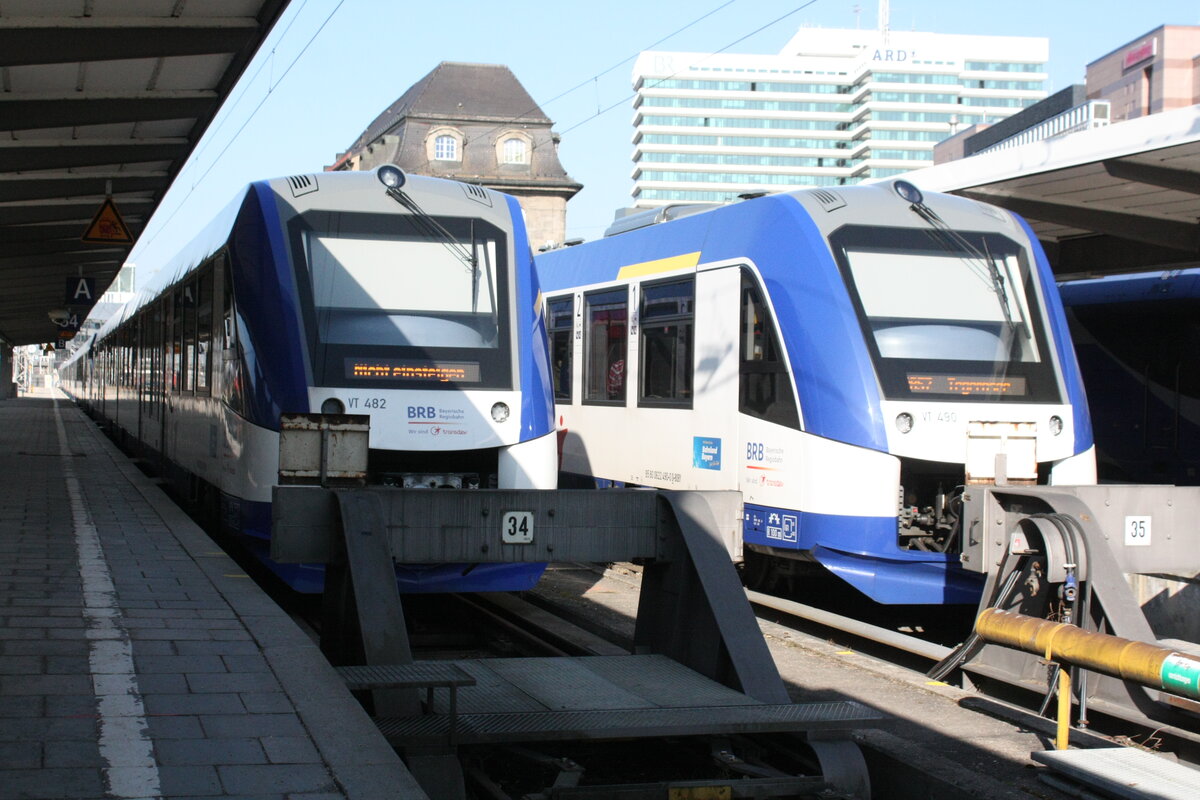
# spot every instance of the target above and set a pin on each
(1115, 199)
(98, 99)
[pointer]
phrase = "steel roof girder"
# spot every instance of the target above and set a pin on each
(85, 258)
(59, 154)
(35, 111)
(27, 41)
(1166, 233)
(42, 247)
(1182, 180)
(80, 185)
(68, 210)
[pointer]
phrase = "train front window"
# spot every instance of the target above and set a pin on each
(948, 317)
(388, 303)
(402, 291)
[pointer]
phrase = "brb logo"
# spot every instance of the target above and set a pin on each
(422, 412)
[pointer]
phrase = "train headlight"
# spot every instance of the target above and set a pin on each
(908, 193)
(390, 176)
(500, 412)
(333, 406)
(904, 422)
(1056, 425)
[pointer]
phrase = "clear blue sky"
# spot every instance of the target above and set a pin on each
(329, 68)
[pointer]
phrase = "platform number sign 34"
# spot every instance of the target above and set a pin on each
(516, 527)
(1137, 531)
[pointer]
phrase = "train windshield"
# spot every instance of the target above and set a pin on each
(948, 316)
(402, 291)
(389, 303)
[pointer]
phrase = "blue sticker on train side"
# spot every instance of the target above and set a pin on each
(706, 452)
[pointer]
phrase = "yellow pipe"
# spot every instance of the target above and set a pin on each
(1063, 738)
(1146, 664)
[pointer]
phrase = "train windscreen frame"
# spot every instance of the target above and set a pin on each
(387, 305)
(948, 316)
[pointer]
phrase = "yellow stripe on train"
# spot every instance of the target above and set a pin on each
(684, 261)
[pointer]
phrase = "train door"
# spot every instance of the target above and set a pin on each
(769, 462)
(141, 375)
(180, 373)
(173, 361)
(152, 429)
(714, 440)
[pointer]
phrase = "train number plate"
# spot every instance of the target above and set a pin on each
(516, 527)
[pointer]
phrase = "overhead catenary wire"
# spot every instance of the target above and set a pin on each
(270, 88)
(594, 79)
(660, 81)
(600, 111)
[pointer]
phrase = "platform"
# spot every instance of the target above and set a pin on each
(136, 659)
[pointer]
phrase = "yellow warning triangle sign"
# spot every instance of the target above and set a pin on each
(107, 227)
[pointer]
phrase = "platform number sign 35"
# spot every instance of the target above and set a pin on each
(1137, 531)
(516, 527)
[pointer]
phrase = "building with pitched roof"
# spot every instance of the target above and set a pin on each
(474, 123)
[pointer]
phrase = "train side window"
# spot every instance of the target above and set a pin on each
(561, 324)
(175, 342)
(764, 390)
(190, 305)
(204, 322)
(232, 375)
(666, 323)
(605, 340)
(158, 368)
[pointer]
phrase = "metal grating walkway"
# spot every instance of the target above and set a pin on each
(627, 723)
(606, 697)
(1125, 772)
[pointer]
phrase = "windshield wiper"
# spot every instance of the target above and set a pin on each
(955, 243)
(393, 179)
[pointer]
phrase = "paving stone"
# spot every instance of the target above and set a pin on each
(251, 725)
(174, 728)
(28, 706)
(276, 778)
(40, 784)
(290, 750)
(153, 649)
(67, 665)
(20, 755)
(210, 751)
(177, 663)
(243, 664)
(77, 753)
(12, 685)
(199, 781)
(267, 703)
(21, 665)
(162, 683)
(193, 704)
(233, 682)
(71, 705)
(44, 647)
(222, 648)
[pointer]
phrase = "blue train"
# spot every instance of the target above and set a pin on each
(1137, 337)
(849, 359)
(407, 299)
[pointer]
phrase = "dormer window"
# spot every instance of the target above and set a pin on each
(515, 151)
(445, 148)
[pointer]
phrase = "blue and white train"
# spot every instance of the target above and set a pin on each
(412, 301)
(849, 359)
(1137, 337)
